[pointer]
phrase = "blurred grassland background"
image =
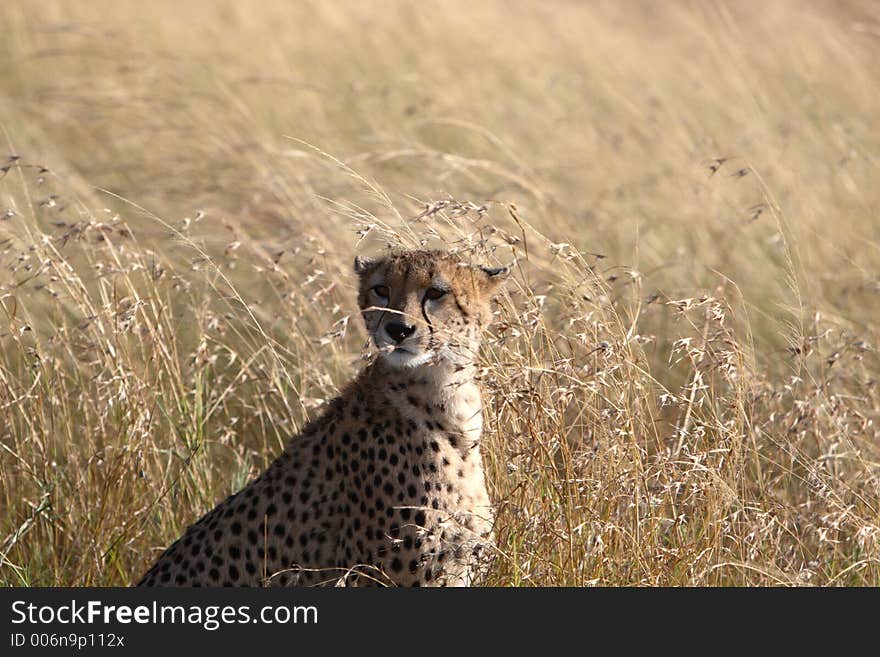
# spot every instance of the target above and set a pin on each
(682, 382)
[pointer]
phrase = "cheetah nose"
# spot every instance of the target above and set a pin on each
(399, 331)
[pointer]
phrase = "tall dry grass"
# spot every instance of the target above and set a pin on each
(682, 382)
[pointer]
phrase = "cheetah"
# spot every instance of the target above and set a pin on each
(386, 487)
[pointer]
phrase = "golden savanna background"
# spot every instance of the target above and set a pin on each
(682, 385)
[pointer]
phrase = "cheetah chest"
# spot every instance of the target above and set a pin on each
(418, 491)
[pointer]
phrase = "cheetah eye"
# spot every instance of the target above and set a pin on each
(381, 291)
(435, 293)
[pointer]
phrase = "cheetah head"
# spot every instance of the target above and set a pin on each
(426, 306)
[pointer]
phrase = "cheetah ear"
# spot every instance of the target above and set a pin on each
(363, 265)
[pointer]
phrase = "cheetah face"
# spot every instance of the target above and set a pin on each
(425, 307)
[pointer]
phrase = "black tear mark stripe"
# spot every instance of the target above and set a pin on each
(425, 315)
(458, 305)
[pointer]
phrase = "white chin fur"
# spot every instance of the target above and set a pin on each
(400, 358)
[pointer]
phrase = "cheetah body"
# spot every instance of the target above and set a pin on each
(386, 487)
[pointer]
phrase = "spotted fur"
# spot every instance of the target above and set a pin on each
(386, 487)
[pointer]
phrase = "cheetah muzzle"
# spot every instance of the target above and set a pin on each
(386, 487)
